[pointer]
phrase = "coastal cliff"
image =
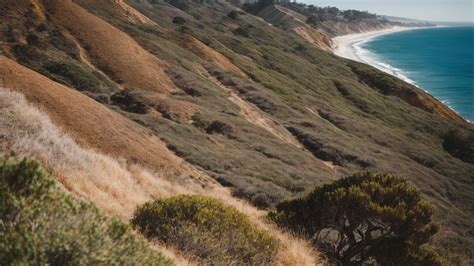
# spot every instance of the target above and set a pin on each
(287, 19)
(157, 98)
(320, 33)
(339, 28)
(409, 93)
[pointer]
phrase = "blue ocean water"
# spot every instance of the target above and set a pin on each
(438, 60)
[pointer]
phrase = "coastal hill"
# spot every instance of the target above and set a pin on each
(246, 104)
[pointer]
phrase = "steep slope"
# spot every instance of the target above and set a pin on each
(405, 91)
(288, 19)
(92, 124)
(113, 186)
(339, 28)
(120, 9)
(259, 109)
(353, 124)
(210, 54)
(113, 51)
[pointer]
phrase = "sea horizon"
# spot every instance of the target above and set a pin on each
(435, 59)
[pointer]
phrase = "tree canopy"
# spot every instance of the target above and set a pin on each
(364, 218)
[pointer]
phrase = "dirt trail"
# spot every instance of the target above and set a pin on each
(252, 114)
(110, 49)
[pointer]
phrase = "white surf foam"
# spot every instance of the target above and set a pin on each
(370, 58)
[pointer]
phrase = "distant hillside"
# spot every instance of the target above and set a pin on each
(407, 21)
(246, 104)
(318, 25)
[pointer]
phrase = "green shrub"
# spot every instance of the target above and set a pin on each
(179, 20)
(233, 14)
(206, 228)
(460, 144)
(364, 218)
(41, 224)
(180, 4)
(77, 77)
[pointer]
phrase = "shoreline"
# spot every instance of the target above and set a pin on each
(343, 45)
(346, 46)
(349, 47)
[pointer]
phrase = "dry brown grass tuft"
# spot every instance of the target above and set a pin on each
(115, 185)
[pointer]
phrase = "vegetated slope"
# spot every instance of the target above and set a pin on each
(118, 186)
(114, 52)
(321, 99)
(119, 8)
(331, 21)
(290, 20)
(338, 28)
(338, 110)
(87, 121)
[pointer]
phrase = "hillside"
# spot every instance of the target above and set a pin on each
(183, 97)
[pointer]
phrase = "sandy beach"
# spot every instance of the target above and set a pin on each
(343, 44)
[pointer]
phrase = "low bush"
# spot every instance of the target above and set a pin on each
(460, 144)
(128, 101)
(180, 4)
(218, 127)
(207, 229)
(76, 76)
(41, 224)
(364, 218)
(233, 14)
(179, 20)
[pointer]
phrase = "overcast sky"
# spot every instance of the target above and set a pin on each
(434, 10)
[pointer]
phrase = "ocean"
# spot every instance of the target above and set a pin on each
(438, 60)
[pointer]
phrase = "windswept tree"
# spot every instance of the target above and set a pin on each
(364, 218)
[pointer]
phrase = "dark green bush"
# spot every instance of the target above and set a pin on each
(313, 20)
(460, 144)
(77, 77)
(218, 127)
(206, 228)
(179, 20)
(42, 225)
(180, 4)
(233, 14)
(364, 218)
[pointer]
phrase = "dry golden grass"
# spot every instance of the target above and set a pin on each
(88, 122)
(115, 185)
(121, 57)
(209, 54)
(112, 185)
(119, 9)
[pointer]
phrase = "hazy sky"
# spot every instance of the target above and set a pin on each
(435, 10)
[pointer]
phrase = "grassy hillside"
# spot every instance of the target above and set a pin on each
(119, 186)
(259, 109)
